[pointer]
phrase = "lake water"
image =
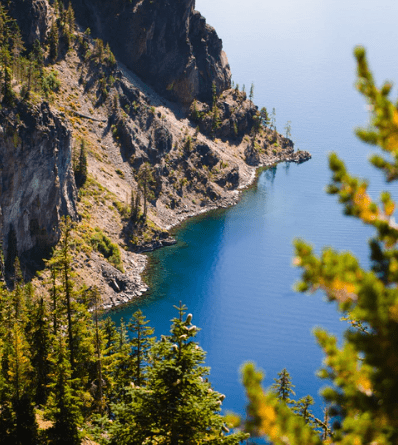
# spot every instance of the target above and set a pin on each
(233, 268)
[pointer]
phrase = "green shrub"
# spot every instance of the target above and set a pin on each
(102, 244)
(120, 173)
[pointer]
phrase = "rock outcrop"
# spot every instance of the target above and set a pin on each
(33, 18)
(37, 185)
(168, 44)
(230, 117)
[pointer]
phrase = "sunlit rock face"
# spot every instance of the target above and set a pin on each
(168, 44)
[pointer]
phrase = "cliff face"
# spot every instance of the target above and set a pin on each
(36, 181)
(33, 18)
(168, 44)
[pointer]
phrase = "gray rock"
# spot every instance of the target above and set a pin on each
(167, 43)
(33, 18)
(37, 183)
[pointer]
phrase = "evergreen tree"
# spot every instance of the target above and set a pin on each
(54, 294)
(110, 336)
(251, 95)
(363, 370)
(41, 343)
(283, 386)
(121, 363)
(16, 51)
(70, 19)
(84, 342)
(63, 407)
(8, 93)
(302, 408)
(99, 382)
(109, 363)
(140, 342)
(176, 406)
(7, 417)
(288, 129)
(24, 428)
(272, 124)
(53, 41)
(145, 180)
(62, 261)
(264, 117)
(214, 94)
(81, 170)
(37, 53)
(134, 206)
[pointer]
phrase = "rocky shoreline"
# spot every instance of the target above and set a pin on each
(129, 287)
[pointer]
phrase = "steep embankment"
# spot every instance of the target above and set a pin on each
(149, 163)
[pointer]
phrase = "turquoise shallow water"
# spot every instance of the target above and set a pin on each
(233, 268)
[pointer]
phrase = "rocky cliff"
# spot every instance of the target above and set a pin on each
(33, 16)
(167, 43)
(150, 162)
(37, 185)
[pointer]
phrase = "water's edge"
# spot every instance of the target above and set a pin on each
(147, 270)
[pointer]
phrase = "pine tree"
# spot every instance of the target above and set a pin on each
(20, 370)
(41, 344)
(109, 362)
(8, 93)
(145, 180)
(140, 342)
(176, 406)
(363, 370)
(53, 40)
(251, 95)
(7, 417)
(81, 170)
(62, 261)
(16, 51)
(288, 129)
(214, 94)
(121, 363)
(70, 19)
(99, 381)
(54, 294)
(37, 53)
(110, 336)
(272, 124)
(63, 406)
(302, 408)
(134, 206)
(264, 117)
(283, 386)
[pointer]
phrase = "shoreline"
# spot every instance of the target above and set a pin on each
(141, 286)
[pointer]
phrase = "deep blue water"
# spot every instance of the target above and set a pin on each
(233, 268)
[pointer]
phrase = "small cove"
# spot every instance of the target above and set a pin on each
(233, 267)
